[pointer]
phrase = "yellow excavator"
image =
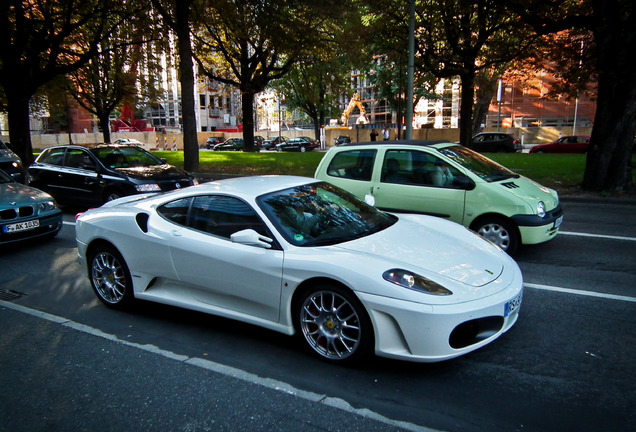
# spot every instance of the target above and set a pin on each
(354, 102)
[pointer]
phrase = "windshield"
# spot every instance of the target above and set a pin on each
(320, 214)
(125, 157)
(479, 165)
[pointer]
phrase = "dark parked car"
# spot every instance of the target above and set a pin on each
(11, 164)
(568, 144)
(230, 144)
(270, 143)
(342, 139)
(258, 141)
(296, 144)
(212, 141)
(314, 142)
(495, 142)
(92, 176)
(26, 212)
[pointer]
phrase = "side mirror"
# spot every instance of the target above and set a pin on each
(251, 238)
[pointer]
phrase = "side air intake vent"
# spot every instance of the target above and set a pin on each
(142, 221)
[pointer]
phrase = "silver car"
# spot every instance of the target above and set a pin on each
(26, 212)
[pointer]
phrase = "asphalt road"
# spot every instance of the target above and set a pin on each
(69, 363)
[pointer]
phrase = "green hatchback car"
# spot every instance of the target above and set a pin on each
(449, 181)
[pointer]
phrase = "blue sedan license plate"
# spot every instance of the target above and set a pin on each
(513, 305)
(21, 226)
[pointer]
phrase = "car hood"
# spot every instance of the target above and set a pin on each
(531, 192)
(16, 192)
(8, 155)
(155, 172)
(431, 246)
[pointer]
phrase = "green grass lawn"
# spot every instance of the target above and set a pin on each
(563, 172)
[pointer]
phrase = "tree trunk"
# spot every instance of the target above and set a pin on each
(104, 123)
(607, 167)
(19, 127)
(466, 108)
(190, 143)
(247, 104)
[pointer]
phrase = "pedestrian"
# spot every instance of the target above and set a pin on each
(385, 133)
(374, 135)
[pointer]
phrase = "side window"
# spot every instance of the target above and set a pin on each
(354, 164)
(176, 211)
(54, 156)
(223, 216)
(397, 167)
(77, 158)
(417, 168)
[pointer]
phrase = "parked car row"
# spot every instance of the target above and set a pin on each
(386, 271)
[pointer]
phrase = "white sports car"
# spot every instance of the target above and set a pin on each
(301, 256)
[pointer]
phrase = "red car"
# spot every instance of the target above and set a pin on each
(568, 144)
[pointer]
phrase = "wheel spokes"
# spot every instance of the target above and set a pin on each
(331, 325)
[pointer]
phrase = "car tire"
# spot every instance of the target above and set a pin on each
(110, 277)
(333, 324)
(498, 231)
(303, 149)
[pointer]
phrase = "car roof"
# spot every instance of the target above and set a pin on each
(414, 143)
(246, 188)
(98, 146)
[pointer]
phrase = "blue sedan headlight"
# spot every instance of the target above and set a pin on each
(47, 206)
(414, 281)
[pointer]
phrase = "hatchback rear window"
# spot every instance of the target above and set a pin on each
(354, 164)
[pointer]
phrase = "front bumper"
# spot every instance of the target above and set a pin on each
(49, 226)
(425, 333)
(535, 229)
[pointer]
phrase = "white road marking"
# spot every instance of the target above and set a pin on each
(581, 292)
(230, 371)
(597, 236)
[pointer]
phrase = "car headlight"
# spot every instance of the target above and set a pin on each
(414, 281)
(46, 206)
(541, 209)
(148, 187)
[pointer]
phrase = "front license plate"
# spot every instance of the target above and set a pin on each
(513, 305)
(22, 226)
(557, 223)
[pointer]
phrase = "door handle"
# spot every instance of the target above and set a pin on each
(175, 233)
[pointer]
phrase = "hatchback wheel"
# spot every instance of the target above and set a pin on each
(110, 277)
(333, 324)
(500, 232)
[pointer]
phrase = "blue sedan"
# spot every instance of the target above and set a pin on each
(26, 212)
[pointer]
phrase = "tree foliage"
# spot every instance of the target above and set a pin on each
(248, 44)
(315, 83)
(42, 40)
(608, 56)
